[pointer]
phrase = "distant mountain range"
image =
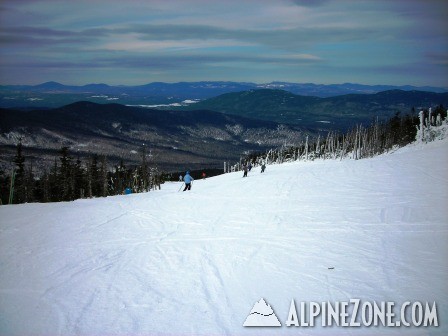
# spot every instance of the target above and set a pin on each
(197, 135)
(53, 94)
(177, 139)
(320, 114)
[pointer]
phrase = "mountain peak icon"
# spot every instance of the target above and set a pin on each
(262, 315)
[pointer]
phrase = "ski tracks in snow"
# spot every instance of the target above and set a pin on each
(215, 291)
(195, 262)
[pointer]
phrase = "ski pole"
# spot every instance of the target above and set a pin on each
(181, 187)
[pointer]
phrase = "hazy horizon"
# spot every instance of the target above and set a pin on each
(221, 81)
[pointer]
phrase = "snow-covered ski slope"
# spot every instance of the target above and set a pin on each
(194, 263)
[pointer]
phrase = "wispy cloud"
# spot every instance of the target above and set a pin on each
(295, 40)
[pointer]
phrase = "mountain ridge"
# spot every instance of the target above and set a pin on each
(366, 88)
(198, 138)
(54, 94)
(335, 113)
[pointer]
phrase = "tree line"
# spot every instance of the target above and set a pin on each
(357, 143)
(69, 179)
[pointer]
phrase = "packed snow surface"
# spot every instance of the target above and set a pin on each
(195, 263)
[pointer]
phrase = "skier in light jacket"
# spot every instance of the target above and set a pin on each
(188, 179)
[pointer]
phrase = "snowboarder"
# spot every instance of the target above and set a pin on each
(188, 179)
(245, 170)
(181, 178)
(263, 167)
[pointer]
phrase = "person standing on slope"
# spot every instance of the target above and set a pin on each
(263, 167)
(187, 180)
(245, 170)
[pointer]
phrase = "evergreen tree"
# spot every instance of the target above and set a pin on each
(43, 188)
(120, 182)
(104, 183)
(4, 187)
(29, 184)
(79, 179)
(19, 175)
(144, 172)
(94, 178)
(53, 183)
(65, 175)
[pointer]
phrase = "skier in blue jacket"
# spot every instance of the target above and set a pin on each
(188, 179)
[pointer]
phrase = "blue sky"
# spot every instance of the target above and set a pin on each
(136, 42)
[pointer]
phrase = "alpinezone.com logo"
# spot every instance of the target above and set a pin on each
(352, 313)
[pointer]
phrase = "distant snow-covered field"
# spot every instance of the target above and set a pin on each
(194, 263)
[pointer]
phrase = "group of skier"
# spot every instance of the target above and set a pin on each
(248, 167)
(187, 179)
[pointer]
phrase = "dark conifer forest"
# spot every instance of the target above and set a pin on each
(69, 178)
